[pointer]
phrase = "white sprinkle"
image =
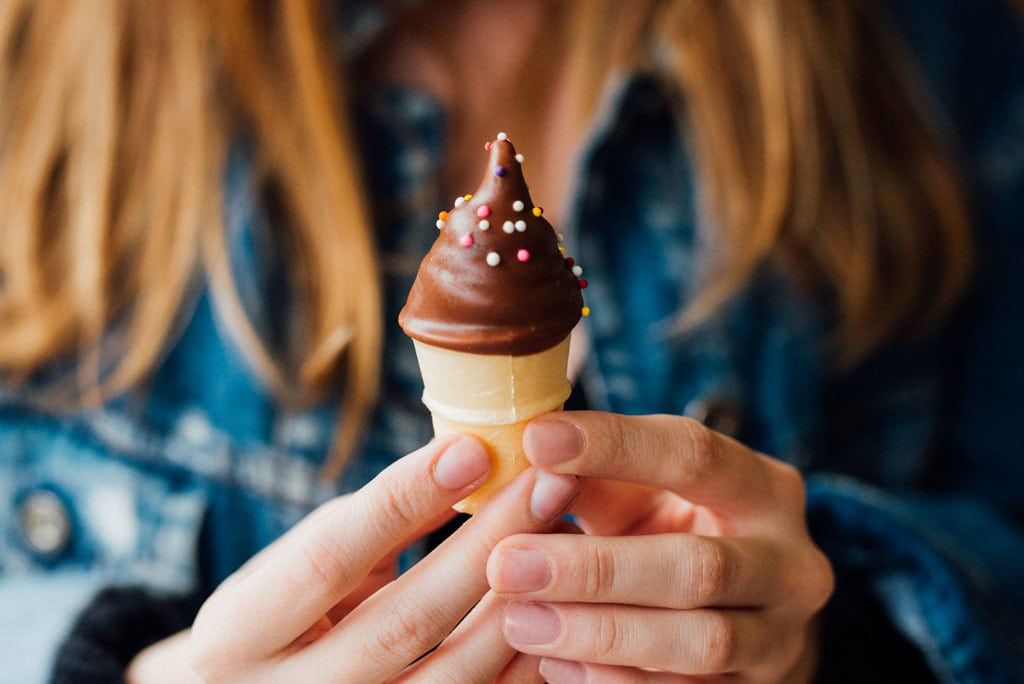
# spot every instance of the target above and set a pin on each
(493, 259)
(459, 201)
(520, 158)
(518, 205)
(561, 238)
(521, 225)
(484, 224)
(577, 271)
(503, 136)
(439, 224)
(508, 227)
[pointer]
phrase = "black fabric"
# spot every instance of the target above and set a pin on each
(116, 625)
(861, 644)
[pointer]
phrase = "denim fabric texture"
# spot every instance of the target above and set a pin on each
(915, 458)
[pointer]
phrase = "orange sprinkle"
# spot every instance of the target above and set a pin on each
(561, 250)
(537, 211)
(585, 311)
(443, 215)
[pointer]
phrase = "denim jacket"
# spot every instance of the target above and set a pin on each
(914, 458)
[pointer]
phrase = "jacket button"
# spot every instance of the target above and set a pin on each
(45, 522)
(718, 413)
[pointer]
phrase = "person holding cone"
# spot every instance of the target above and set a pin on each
(733, 391)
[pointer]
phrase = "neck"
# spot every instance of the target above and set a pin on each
(495, 66)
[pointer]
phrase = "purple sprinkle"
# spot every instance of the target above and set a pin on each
(499, 171)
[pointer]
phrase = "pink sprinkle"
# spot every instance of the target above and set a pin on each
(487, 145)
(569, 261)
(523, 255)
(466, 240)
(483, 211)
(583, 283)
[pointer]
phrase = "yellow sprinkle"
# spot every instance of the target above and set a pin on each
(443, 215)
(561, 250)
(537, 211)
(467, 197)
(586, 311)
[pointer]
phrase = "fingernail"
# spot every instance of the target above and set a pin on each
(529, 624)
(548, 442)
(462, 463)
(552, 495)
(522, 570)
(556, 671)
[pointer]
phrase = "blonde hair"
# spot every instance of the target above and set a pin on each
(114, 121)
(115, 118)
(811, 152)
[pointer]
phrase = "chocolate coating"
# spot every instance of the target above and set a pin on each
(517, 307)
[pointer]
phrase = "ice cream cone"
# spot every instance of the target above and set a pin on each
(493, 397)
(491, 312)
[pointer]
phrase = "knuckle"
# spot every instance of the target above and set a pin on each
(714, 570)
(790, 480)
(824, 583)
(720, 644)
(704, 454)
(609, 637)
(598, 570)
(398, 500)
(324, 559)
(790, 651)
(617, 436)
(400, 635)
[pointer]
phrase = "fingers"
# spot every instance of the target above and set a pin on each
(522, 670)
(557, 671)
(415, 612)
(292, 587)
(613, 507)
(165, 661)
(693, 642)
(669, 452)
(679, 571)
(475, 652)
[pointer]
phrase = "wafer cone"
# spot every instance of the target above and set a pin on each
(493, 397)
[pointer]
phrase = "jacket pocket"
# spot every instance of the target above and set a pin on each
(66, 504)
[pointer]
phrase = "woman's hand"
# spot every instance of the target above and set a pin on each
(303, 609)
(697, 559)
